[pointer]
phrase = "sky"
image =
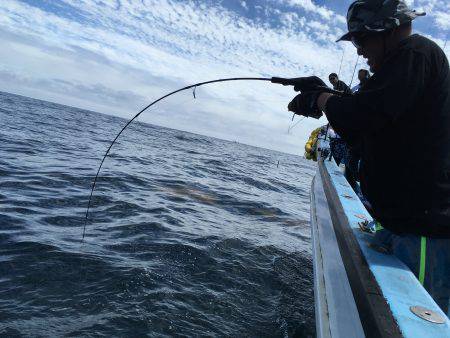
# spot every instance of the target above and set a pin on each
(117, 56)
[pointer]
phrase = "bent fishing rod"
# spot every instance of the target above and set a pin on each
(277, 80)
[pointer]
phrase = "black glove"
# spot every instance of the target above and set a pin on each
(306, 84)
(306, 104)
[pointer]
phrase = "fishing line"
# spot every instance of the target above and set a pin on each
(295, 124)
(354, 70)
(194, 86)
(342, 60)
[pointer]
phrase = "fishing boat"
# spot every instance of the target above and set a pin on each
(359, 290)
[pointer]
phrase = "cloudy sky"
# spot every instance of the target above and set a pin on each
(116, 56)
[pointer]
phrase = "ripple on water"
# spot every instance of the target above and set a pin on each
(187, 235)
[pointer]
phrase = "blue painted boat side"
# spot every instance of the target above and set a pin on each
(320, 296)
(399, 286)
(332, 291)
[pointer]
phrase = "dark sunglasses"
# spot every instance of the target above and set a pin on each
(359, 40)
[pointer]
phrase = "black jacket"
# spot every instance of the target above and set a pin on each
(402, 116)
(342, 87)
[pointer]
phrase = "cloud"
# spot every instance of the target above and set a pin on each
(322, 11)
(438, 10)
(443, 20)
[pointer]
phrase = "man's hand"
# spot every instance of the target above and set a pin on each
(306, 104)
(306, 84)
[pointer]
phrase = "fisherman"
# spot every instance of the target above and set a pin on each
(338, 84)
(406, 179)
(338, 147)
(363, 77)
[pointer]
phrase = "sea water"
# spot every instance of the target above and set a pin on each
(187, 235)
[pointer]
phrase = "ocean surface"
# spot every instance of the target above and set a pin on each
(187, 236)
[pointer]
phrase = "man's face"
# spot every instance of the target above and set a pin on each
(361, 76)
(371, 47)
(333, 80)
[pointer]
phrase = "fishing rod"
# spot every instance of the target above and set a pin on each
(277, 80)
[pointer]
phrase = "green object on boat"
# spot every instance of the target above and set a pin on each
(423, 252)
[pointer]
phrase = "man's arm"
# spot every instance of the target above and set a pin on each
(322, 101)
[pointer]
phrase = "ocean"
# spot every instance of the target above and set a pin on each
(187, 235)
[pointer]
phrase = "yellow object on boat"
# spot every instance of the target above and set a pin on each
(310, 146)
